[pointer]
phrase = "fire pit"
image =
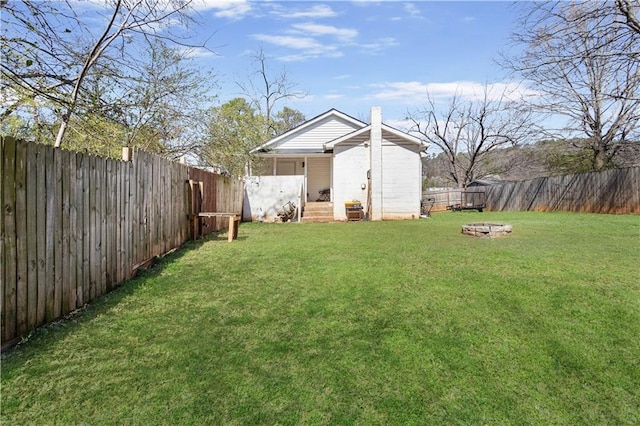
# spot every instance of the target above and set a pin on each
(486, 229)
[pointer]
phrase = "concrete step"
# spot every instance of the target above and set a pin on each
(318, 206)
(317, 212)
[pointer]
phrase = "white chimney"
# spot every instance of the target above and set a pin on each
(376, 163)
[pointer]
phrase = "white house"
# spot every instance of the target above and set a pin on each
(333, 159)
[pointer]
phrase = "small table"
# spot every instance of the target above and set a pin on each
(234, 222)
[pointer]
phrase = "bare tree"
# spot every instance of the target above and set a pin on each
(583, 58)
(629, 10)
(265, 90)
(468, 130)
(49, 51)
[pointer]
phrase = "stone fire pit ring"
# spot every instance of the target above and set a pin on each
(483, 229)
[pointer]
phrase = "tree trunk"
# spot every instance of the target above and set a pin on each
(62, 129)
(599, 158)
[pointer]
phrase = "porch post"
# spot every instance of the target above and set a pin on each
(331, 179)
(304, 189)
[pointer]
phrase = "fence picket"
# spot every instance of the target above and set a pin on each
(10, 249)
(74, 226)
(79, 232)
(610, 191)
(3, 263)
(86, 229)
(73, 234)
(32, 235)
(66, 232)
(41, 231)
(21, 239)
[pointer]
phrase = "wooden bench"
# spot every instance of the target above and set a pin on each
(234, 222)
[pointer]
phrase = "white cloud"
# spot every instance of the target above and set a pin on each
(412, 10)
(290, 42)
(314, 40)
(296, 57)
(376, 46)
(412, 92)
(231, 9)
(343, 34)
(367, 2)
(311, 40)
(307, 47)
(331, 97)
(406, 91)
(317, 11)
(198, 52)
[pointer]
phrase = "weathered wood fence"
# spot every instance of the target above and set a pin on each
(439, 200)
(610, 191)
(74, 226)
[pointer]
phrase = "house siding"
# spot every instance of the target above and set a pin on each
(401, 181)
(313, 138)
(350, 165)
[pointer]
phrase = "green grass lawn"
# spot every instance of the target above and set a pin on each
(405, 322)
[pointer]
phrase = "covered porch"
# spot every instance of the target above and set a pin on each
(315, 169)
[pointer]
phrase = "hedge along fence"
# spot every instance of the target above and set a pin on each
(610, 191)
(74, 226)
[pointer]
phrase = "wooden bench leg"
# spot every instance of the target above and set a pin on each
(231, 230)
(234, 224)
(236, 227)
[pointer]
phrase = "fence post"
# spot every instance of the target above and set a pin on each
(126, 154)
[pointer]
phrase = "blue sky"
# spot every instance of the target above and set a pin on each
(352, 55)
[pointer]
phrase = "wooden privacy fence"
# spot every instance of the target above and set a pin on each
(438, 200)
(610, 191)
(74, 226)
